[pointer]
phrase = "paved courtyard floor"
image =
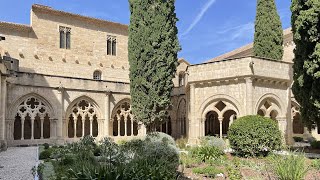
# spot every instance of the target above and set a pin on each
(16, 163)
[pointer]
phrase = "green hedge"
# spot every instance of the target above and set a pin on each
(254, 136)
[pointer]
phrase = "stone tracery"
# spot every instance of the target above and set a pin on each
(32, 120)
(123, 123)
(83, 120)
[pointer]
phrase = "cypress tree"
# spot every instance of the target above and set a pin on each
(153, 46)
(306, 68)
(268, 36)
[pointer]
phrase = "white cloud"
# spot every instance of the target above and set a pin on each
(198, 18)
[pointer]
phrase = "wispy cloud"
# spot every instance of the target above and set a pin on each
(204, 9)
(236, 32)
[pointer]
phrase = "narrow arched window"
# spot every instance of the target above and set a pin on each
(97, 75)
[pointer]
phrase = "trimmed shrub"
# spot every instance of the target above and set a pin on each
(46, 146)
(46, 154)
(298, 139)
(315, 144)
(254, 136)
(213, 141)
(160, 137)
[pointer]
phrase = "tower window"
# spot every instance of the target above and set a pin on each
(97, 75)
(65, 37)
(111, 45)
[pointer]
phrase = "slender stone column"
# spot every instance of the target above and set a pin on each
(75, 127)
(60, 115)
(42, 127)
(22, 128)
(107, 114)
(32, 128)
(132, 127)
(83, 126)
(220, 122)
(119, 120)
(249, 96)
(125, 126)
(91, 126)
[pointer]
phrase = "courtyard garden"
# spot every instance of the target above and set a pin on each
(248, 153)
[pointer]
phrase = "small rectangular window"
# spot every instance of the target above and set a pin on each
(111, 45)
(65, 37)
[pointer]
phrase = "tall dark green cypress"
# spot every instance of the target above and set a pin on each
(306, 69)
(268, 36)
(153, 46)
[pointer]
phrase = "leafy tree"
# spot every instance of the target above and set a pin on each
(268, 36)
(153, 46)
(306, 35)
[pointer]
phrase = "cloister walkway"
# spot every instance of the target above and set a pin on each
(16, 163)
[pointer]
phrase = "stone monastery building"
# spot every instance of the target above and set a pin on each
(65, 76)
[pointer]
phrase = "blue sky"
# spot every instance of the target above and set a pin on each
(207, 28)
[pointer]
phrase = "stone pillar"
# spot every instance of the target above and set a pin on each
(42, 128)
(119, 127)
(22, 128)
(107, 114)
(32, 128)
(83, 126)
(60, 113)
(75, 128)
(249, 97)
(125, 126)
(91, 126)
(193, 128)
(282, 121)
(220, 122)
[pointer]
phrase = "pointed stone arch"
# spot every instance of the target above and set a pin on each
(83, 118)
(122, 120)
(270, 105)
(218, 113)
(32, 118)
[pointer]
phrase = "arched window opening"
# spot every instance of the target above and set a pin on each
(228, 118)
(97, 75)
(261, 113)
(274, 115)
(269, 108)
(32, 120)
(212, 125)
(165, 127)
(83, 120)
(123, 123)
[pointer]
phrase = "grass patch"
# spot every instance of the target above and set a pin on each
(208, 171)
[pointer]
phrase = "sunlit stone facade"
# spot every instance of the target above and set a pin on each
(72, 80)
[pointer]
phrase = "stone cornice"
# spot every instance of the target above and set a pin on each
(50, 11)
(15, 27)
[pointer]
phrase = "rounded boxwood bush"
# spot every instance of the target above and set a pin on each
(254, 136)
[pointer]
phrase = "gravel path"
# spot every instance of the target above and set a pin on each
(16, 163)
